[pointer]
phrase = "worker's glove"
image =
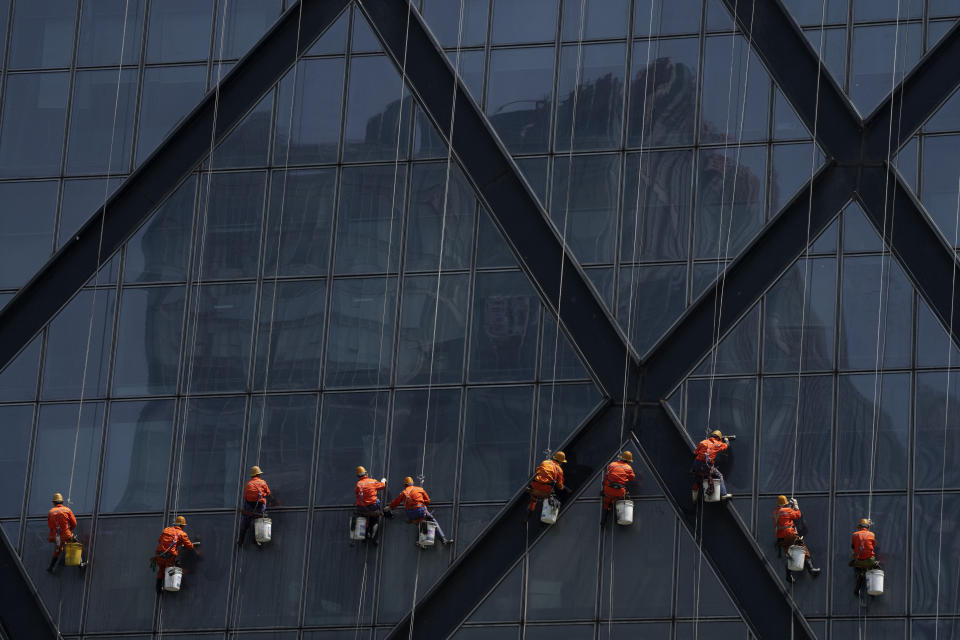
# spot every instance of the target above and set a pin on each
(794, 502)
(383, 480)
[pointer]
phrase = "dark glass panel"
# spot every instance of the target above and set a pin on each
(656, 212)
(353, 431)
(363, 38)
(630, 630)
(148, 341)
(218, 348)
(34, 115)
(249, 143)
(18, 381)
(698, 591)
(427, 140)
(370, 218)
(730, 207)
(590, 96)
(4, 16)
(471, 522)
(567, 589)
(207, 469)
(735, 109)
(66, 456)
(280, 439)
(77, 358)
(520, 94)
(424, 439)
(102, 121)
(832, 49)
(492, 249)
(179, 30)
(934, 629)
(938, 433)
(26, 229)
(137, 458)
(858, 233)
(233, 209)
(334, 39)
(792, 324)
(63, 591)
(496, 442)
(601, 19)
(245, 22)
(659, 296)
(663, 93)
(558, 360)
(442, 204)
(80, 200)
(534, 171)
(432, 333)
(907, 163)
(374, 112)
(450, 27)
(567, 631)
(486, 633)
(791, 169)
(107, 28)
(504, 341)
(168, 94)
(584, 205)
(504, 601)
(935, 555)
(17, 423)
(301, 214)
(43, 33)
(939, 191)
(159, 251)
(562, 408)
(737, 350)
(934, 346)
(313, 134)
(879, 60)
(530, 21)
(873, 425)
(361, 334)
(665, 17)
(11, 529)
(806, 12)
(786, 124)
(718, 629)
(290, 335)
(869, 10)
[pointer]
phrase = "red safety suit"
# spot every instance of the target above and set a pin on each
(366, 491)
(171, 540)
(256, 490)
(864, 544)
(62, 522)
(615, 479)
(549, 475)
(708, 450)
(412, 497)
(785, 518)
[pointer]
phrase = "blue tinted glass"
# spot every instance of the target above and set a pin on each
(137, 458)
(503, 344)
(18, 425)
(564, 589)
(934, 555)
(832, 50)
(78, 347)
(207, 468)
(906, 162)
(360, 344)
(158, 252)
(584, 205)
(149, 334)
(218, 340)
(4, 16)
(656, 212)
(663, 93)
(426, 436)
(40, 101)
(665, 17)
(26, 229)
(168, 94)
(108, 27)
(806, 12)
(280, 441)
(313, 138)
(658, 296)
(42, 34)
(66, 456)
(934, 346)
(18, 381)
(568, 364)
(786, 124)
(697, 576)
(939, 191)
(339, 585)
(737, 351)
(561, 409)
(496, 442)
(793, 165)
(179, 30)
(363, 38)
(590, 96)
(936, 435)
(432, 330)
(732, 409)
(867, 10)
(858, 233)
(792, 324)
(81, 199)
(875, 292)
(492, 249)
(248, 144)
(519, 96)
(374, 111)
(730, 208)
(246, 21)
(733, 109)
(299, 222)
(290, 335)
(101, 121)
(879, 60)
(530, 21)
(446, 23)
(232, 204)
(370, 219)
(64, 589)
(334, 39)
(353, 431)
(441, 204)
(601, 19)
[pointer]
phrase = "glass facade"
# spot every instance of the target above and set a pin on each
(324, 292)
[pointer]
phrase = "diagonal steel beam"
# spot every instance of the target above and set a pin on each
(22, 614)
(182, 151)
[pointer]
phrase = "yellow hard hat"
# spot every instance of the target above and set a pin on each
(180, 521)
(782, 501)
(58, 497)
(255, 471)
(716, 433)
(408, 480)
(626, 456)
(361, 471)
(864, 523)
(560, 457)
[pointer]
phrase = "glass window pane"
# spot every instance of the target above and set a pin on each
(363, 38)
(868, 10)
(790, 170)
(77, 358)
(179, 30)
(246, 21)
(737, 351)
(732, 184)
(148, 341)
(334, 39)
(208, 475)
(656, 212)
(101, 121)
(159, 251)
(503, 602)
(601, 19)
(353, 431)
(336, 581)
(168, 94)
(937, 437)
(18, 426)
(446, 22)
(713, 599)
(565, 589)
(657, 118)
(658, 298)
(26, 229)
(428, 437)
(55, 457)
(81, 199)
(248, 144)
(42, 34)
(935, 348)
(218, 343)
(590, 96)
(108, 27)
(832, 50)
(805, 12)
(4, 15)
(360, 344)
(234, 216)
(280, 440)
(519, 95)
(291, 331)
(313, 138)
(858, 233)
(867, 279)
(18, 381)
(666, 17)
(441, 204)
(137, 459)
(432, 332)
(370, 219)
(737, 109)
(879, 60)
(301, 213)
(561, 409)
(496, 442)
(786, 124)
(558, 360)
(374, 112)
(939, 191)
(584, 205)
(503, 344)
(34, 115)
(530, 21)
(935, 555)
(65, 589)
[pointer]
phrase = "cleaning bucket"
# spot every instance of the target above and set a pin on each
(875, 582)
(172, 578)
(711, 496)
(550, 510)
(262, 528)
(359, 529)
(796, 556)
(73, 551)
(624, 511)
(428, 531)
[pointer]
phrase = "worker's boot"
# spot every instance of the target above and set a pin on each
(53, 564)
(604, 516)
(159, 585)
(858, 585)
(812, 570)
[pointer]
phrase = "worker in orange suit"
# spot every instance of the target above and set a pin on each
(547, 479)
(368, 503)
(785, 518)
(864, 545)
(62, 524)
(172, 539)
(705, 463)
(415, 501)
(255, 494)
(615, 479)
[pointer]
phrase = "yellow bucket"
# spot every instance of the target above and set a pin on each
(74, 551)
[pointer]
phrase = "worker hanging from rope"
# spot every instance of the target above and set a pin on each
(63, 526)
(415, 501)
(864, 545)
(547, 480)
(172, 539)
(705, 463)
(787, 519)
(618, 474)
(368, 503)
(255, 494)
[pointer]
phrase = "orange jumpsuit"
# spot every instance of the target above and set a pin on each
(415, 501)
(366, 491)
(864, 544)
(168, 547)
(704, 463)
(62, 522)
(256, 491)
(549, 475)
(785, 519)
(618, 474)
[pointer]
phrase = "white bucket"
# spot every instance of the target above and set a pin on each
(359, 529)
(796, 557)
(875, 582)
(711, 496)
(550, 510)
(262, 529)
(172, 578)
(428, 531)
(624, 511)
